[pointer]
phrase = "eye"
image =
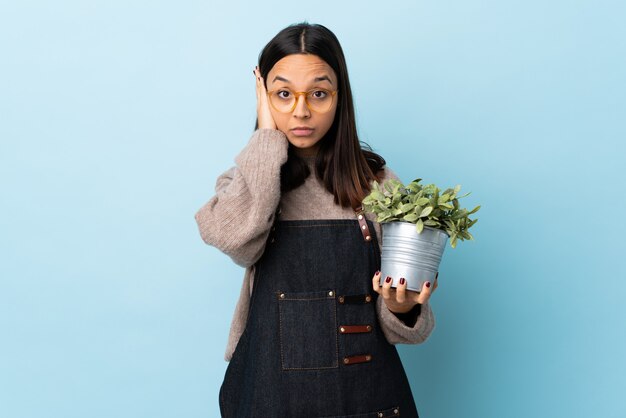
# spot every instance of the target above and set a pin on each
(280, 94)
(319, 94)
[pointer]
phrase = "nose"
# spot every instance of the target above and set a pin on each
(301, 110)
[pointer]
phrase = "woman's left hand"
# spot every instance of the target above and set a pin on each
(400, 300)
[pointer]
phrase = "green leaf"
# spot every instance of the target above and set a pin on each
(426, 211)
(378, 195)
(411, 217)
(429, 189)
(419, 226)
(474, 210)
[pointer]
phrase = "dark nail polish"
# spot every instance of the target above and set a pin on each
(377, 272)
(388, 279)
(402, 280)
(427, 284)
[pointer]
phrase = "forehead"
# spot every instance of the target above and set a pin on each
(301, 69)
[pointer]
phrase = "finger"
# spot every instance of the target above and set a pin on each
(258, 87)
(401, 290)
(425, 293)
(375, 281)
(387, 287)
(260, 80)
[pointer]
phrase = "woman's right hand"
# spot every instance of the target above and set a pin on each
(264, 114)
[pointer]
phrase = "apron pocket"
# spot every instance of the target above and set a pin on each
(308, 330)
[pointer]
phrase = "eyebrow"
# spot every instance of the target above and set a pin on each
(316, 79)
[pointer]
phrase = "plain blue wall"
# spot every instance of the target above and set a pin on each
(116, 117)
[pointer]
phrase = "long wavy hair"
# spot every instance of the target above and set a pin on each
(344, 164)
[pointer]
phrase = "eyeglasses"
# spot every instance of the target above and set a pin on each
(318, 100)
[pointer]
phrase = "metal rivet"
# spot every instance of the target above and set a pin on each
(368, 298)
(369, 327)
(367, 238)
(368, 358)
(380, 414)
(342, 329)
(330, 293)
(346, 360)
(282, 296)
(360, 217)
(340, 299)
(272, 240)
(395, 411)
(364, 226)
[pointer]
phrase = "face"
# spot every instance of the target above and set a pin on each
(303, 72)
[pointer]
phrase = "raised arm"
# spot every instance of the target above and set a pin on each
(237, 219)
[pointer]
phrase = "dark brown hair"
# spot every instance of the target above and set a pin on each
(344, 164)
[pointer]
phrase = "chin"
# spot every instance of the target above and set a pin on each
(303, 142)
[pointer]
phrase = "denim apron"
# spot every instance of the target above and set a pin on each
(312, 345)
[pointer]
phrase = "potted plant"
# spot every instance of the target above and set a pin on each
(416, 222)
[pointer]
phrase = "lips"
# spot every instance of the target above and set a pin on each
(302, 131)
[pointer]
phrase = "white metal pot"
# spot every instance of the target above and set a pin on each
(409, 254)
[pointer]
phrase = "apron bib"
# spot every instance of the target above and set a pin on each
(312, 345)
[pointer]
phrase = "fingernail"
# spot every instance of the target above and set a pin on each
(427, 284)
(402, 280)
(388, 279)
(377, 273)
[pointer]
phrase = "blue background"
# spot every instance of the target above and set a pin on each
(116, 117)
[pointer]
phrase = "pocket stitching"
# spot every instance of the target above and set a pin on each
(280, 330)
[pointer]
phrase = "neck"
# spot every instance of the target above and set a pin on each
(306, 153)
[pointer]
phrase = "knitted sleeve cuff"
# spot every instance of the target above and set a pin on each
(398, 332)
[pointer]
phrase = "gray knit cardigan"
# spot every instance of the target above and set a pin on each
(254, 184)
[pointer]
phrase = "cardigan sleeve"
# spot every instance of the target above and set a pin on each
(237, 219)
(413, 327)
(397, 332)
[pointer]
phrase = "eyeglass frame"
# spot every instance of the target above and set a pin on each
(306, 101)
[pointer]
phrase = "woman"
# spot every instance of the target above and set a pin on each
(310, 336)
